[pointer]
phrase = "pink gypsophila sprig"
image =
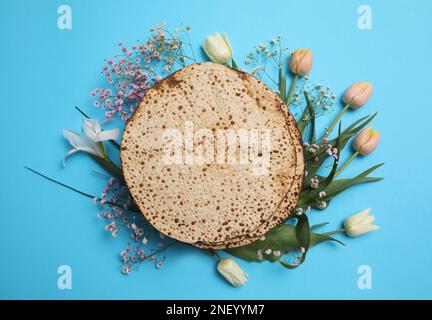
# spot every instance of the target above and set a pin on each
(145, 243)
(136, 69)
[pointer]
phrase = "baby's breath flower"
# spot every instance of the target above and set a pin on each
(322, 205)
(259, 254)
(322, 194)
(314, 182)
(117, 201)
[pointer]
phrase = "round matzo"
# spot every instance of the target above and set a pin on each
(211, 203)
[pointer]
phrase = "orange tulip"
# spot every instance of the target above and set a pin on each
(358, 94)
(367, 141)
(301, 62)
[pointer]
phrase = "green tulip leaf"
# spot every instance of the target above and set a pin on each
(311, 116)
(234, 64)
(315, 161)
(304, 121)
(302, 230)
(338, 186)
(281, 239)
(319, 226)
(303, 235)
(317, 238)
(282, 85)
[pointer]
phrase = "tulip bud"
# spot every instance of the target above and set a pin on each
(367, 141)
(360, 223)
(218, 48)
(301, 62)
(358, 94)
(231, 271)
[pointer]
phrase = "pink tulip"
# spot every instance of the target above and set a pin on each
(358, 94)
(367, 141)
(301, 62)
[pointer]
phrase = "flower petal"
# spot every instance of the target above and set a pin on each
(107, 135)
(72, 137)
(361, 229)
(232, 272)
(82, 143)
(228, 43)
(69, 153)
(368, 220)
(91, 128)
(356, 218)
(218, 48)
(371, 144)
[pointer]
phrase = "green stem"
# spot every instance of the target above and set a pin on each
(110, 166)
(160, 250)
(334, 232)
(293, 85)
(72, 188)
(354, 155)
(217, 256)
(61, 183)
(336, 120)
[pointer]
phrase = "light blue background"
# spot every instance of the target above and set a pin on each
(46, 71)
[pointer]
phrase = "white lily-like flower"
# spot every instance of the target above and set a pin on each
(218, 48)
(232, 272)
(360, 223)
(90, 141)
(92, 129)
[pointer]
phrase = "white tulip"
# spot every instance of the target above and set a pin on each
(360, 223)
(218, 48)
(90, 141)
(231, 271)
